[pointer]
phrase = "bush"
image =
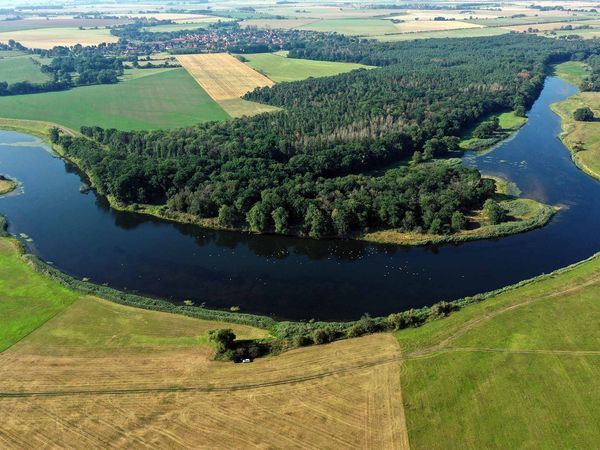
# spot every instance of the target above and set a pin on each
(583, 114)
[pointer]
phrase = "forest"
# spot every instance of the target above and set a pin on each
(305, 170)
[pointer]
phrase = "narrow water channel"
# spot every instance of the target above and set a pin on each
(300, 278)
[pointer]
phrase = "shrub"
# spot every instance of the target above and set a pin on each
(584, 114)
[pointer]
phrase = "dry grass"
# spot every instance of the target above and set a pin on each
(343, 395)
(47, 38)
(226, 79)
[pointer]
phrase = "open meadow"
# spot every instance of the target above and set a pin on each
(278, 67)
(15, 67)
(148, 99)
(46, 38)
(226, 79)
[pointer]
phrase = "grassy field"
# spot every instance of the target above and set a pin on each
(50, 37)
(7, 186)
(572, 71)
(226, 79)
(518, 370)
(467, 32)
(279, 68)
(27, 298)
(510, 21)
(20, 67)
(158, 99)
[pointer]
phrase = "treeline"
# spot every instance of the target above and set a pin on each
(70, 67)
(297, 171)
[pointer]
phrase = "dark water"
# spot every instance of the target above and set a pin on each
(299, 278)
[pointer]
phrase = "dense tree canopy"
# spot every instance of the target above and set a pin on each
(299, 170)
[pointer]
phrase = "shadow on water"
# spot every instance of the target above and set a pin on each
(301, 278)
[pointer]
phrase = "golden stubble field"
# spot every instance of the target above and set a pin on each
(75, 382)
(226, 79)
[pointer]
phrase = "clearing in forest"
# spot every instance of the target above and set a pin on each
(226, 79)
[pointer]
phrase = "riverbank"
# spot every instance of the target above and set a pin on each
(581, 138)
(524, 214)
(509, 124)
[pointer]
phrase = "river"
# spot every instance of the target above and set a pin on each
(300, 278)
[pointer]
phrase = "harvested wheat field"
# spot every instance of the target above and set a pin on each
(47, 38)
(102, 375)
(226, 79)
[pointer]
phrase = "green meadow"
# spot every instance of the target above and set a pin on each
(15, 67)
(461, 33)
(27, 299)
(167, 98)
(518, 370)
(279, 68)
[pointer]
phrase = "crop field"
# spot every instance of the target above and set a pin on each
(326, 12)
(466, 32)
(226, 79)
(278, 23)
(149, 99)
(279, 68)
(193, 25)
(33, 24)
(517, 370)
(358, 27)
(51, 37)
(510, 21)
(101, 372)
(20, 67)
(416, 26)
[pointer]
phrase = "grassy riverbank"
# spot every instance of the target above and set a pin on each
(581, 138)
(509, 123)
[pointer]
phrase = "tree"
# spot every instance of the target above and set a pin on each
(584, 114)
(316, 221)
(520, 111)
(280, 218)
(224, 338)
(494, 212)
(54, 135)
(227, 216)
(257, 218)
(458, 221)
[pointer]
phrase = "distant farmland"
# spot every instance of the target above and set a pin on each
(47, 38)
(150, 99)
(226, 79)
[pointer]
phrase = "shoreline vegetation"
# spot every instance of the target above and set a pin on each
(283, 335)
(523, 214)
(581, 138)
(508, 124)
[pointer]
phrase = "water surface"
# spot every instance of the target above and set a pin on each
(301, 278)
